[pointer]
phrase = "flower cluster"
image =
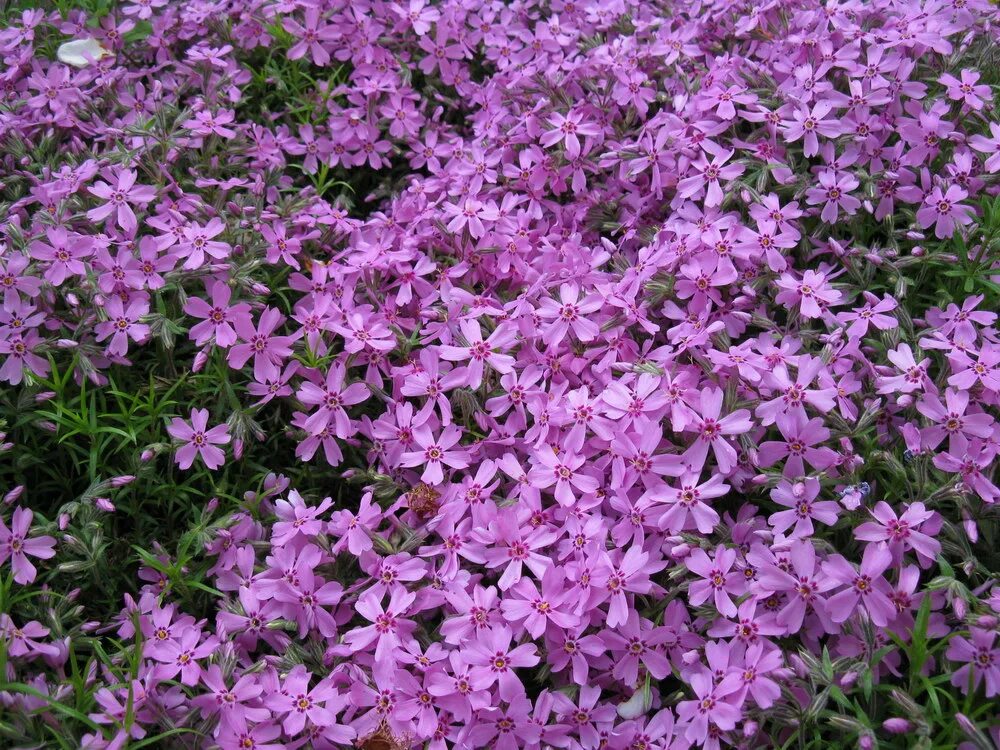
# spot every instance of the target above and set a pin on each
(651, 346)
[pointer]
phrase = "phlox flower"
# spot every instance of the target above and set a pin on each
(865, 586)
(719, 581)
(119, 199)
(493, 660)
(16, 546)
(199, 440)
(944, 211)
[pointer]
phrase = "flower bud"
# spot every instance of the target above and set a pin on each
(14, 495)
(146, 456)
(104, 504)
(200, 360)
(897, 726)
(122, 480)
(63, 521)
(212, 505)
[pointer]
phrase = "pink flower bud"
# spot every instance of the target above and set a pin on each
(848, 679)
(146, 456)
(122, 480)
(897, 726)
(67, 343)
(749, 729)
(200, 360)
(987, 622)
(799, 489)
(212, 505)
(969, 524)
(866, 742)
(104, 504)
(63, 521)
(14, 495)
(238, 449)
(44, 396)
(917, 251)
(959, 607)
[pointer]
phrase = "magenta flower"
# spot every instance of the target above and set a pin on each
(801, 436)
(268, 350)
(311, 36)
(638, 640)
(952, 419)
(686, 504)
(800, 497)
(808, 123)
(297, 703)
(64, 252)
(813, 293)
(219, 316)
(719, 583)
(199, 440)
(123, 324)
(902, 532)
(524, 603)
(866, 586)
(944, 211)
(710, 174)
(799, 581)
(181, 654)
(436, 452)
(479, 352)
(567, 129)
(14, 279)
(388, 628)
(16, 545)
(834, 194)
(569, 313)
(712, 432)
(118, 199)
(712, 706)
(981, 661)
(493, 660)
(966, 90)
(331, 398)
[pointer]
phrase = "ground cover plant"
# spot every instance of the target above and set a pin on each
(467, 374)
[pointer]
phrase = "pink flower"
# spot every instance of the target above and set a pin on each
(812, 294)
(480, 352)
(712, 432)
(944, 211)
(219, 316)
(801, 498)
(966, 90)
(571, 312)
(436, 452)
(567, 129)
(902, 532)
(710, 175)
(981, 661)
(268, 351)
(493, 660)
(808, 124)
(719, 579)
(866, 586)
(199, 440)
(833, 193)
(119, 197)
(123, 324)
(16, 545)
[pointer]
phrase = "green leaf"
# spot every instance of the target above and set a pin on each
(142, 31)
